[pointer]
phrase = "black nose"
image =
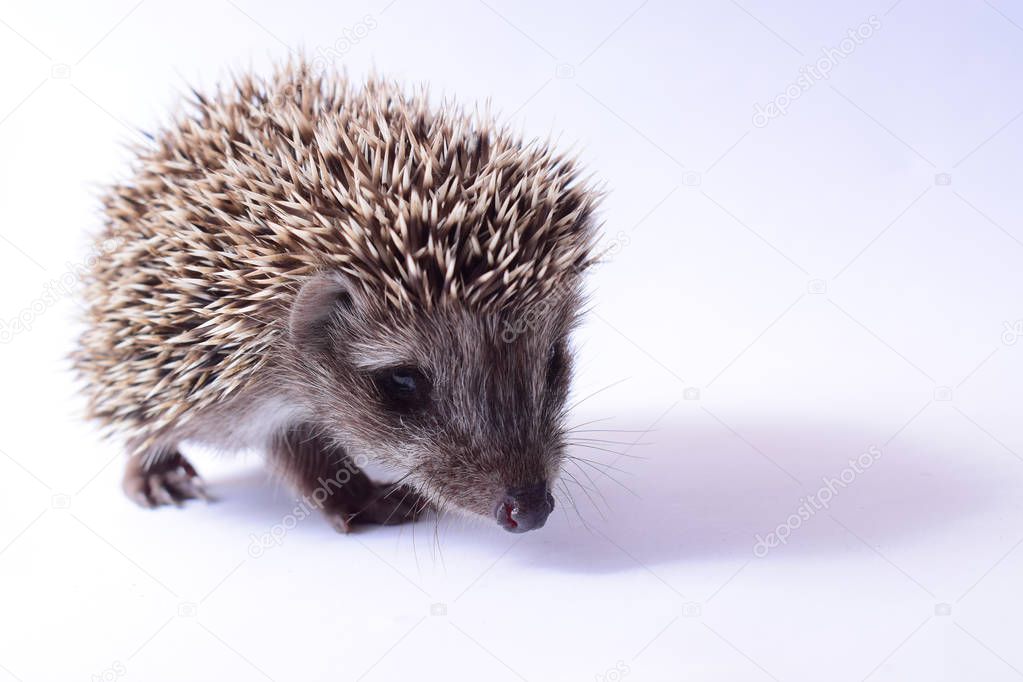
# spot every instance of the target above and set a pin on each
(524, 508)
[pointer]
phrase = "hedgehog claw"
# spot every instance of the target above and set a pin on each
(340, 521)
(159, 491)
(387, 505)
(168, 481)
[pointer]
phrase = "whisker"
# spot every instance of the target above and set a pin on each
(439, 551)
(588, 496)
(576, 480)
(610, 430)
(604, 473)
(592, 421)
(415, 553)
(396, 485)
(596, 487)
(629, 443)
(561, 499)
(561, 502)
(436, 526)
(575, 506)
(608, 450)
(400, 502)
(618, 455)
(597, 392)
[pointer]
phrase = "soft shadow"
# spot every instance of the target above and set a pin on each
(706, 492)
(701, 491)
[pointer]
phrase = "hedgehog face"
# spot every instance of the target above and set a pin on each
(469, 404)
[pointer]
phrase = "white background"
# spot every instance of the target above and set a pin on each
(816, 283)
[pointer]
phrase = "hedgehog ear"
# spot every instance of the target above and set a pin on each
(320, 297)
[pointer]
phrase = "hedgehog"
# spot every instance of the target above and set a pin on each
(335, 274)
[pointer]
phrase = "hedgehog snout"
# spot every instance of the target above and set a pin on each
(523, 508)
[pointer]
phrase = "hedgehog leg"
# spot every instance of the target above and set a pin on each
(327, 478)
(162, 477)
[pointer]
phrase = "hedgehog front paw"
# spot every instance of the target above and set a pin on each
(171, 480)
(390, 504)
(393, 504)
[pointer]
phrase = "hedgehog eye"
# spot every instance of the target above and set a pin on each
(403, 389)
(556, 363)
